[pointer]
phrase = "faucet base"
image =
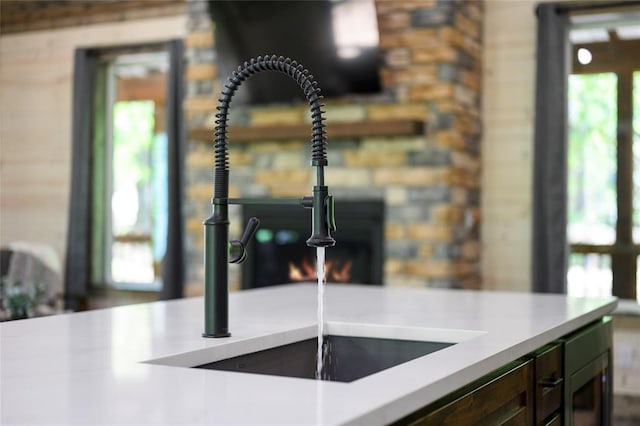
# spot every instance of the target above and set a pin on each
(215, 335)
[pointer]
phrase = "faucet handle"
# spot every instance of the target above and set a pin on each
(238, 249)
(330, 207)
(331, 213)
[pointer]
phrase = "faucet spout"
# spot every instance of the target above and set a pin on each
(216, 226)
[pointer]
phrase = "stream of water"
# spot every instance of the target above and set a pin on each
(321, 279)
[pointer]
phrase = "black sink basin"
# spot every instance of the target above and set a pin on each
(346, 358)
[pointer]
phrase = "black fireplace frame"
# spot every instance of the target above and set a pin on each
(354, 219)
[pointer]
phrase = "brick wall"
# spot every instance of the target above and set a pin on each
(429, 182)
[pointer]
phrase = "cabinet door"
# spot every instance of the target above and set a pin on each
(588, 388)
(590, 396)
(506, 399)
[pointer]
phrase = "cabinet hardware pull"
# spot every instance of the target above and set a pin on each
(550, 382)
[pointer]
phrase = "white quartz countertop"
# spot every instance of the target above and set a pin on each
(89, 368)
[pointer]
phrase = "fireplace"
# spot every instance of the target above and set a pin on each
(278, 254)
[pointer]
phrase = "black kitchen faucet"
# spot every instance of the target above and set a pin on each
(218, 251)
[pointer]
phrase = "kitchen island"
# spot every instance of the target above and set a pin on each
(101, 367)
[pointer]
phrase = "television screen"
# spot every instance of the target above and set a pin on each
(336, 40)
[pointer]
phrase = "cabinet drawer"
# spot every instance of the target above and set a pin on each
(503, 400)
(549, 379)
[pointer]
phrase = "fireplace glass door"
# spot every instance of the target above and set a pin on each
(279, 254)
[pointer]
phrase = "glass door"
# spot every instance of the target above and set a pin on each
(132, 199)
(590, 393)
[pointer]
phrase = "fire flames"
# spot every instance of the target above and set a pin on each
(334, 271)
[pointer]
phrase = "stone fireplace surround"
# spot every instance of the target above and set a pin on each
(428, 177)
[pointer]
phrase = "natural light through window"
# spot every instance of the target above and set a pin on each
(592, 211)
(131, 200)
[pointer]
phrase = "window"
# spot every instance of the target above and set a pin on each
(604, 159)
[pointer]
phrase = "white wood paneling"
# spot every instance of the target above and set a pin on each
(507, 147)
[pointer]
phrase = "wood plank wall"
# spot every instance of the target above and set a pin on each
(35, 128)
(36, 15)
(507, 147)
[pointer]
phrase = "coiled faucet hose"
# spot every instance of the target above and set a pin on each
(310, 88)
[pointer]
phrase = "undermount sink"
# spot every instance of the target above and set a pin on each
(352, 351)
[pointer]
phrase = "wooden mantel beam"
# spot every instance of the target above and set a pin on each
(303, 131)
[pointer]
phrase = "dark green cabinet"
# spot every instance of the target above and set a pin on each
(588, 388)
